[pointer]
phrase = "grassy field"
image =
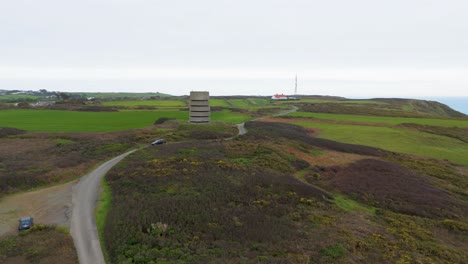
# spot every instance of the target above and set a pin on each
(72, 121)
(384, 120)
(249, 103)
(346, 101)
(156, 103)
(394, 139)
(18, 97)
(123, 95)
(219, 102)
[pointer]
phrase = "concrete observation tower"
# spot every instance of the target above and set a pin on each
(200, 107)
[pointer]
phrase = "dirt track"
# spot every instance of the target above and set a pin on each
(50, 206)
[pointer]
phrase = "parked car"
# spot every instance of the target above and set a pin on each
(158, 142)
(25, 223)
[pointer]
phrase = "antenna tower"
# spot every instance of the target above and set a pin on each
(295, 87)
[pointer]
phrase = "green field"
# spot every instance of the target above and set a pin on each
(219, 102)
(73, 121)
(344, 101)
(156, 103)
(250, 103)
(122, 95)
(384, 120)
(258, 101)
(394, 139)
(18, 97)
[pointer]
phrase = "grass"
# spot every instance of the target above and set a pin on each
(156, 103)
(347, 101)
(219, 102)
(123, 95)
(229, 117)
(10, 97)
(394, 139)
(102, 208)
(384, 120)
(258, 101)
(250, 103)
(74, 121)
(352, 206)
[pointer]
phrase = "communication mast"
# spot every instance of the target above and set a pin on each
(295, 86)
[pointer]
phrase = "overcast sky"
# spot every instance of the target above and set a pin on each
(359, 48)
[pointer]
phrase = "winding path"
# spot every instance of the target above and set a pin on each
(83, 226)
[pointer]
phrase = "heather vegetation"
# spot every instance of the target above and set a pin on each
(266, 197)
(30, 160)
(335, 187)
(42, 244)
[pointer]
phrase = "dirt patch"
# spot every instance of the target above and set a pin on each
(392, 186)
(50, 206)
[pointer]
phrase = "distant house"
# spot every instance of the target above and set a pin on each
(279, 97)
(43, 103)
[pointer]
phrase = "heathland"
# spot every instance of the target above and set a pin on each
(341, 181)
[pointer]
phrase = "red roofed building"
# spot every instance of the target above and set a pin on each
(279, 97)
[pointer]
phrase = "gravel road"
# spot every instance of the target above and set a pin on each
(83, 226)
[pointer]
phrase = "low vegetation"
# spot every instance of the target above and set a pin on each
(330, 188)
(393, 139)
(42, 244)
(31, 160)
(380, 107)
(237, 201)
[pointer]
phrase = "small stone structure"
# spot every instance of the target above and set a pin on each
(200, 107)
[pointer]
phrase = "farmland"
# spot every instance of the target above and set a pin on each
(73, 121)
(245, 103)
